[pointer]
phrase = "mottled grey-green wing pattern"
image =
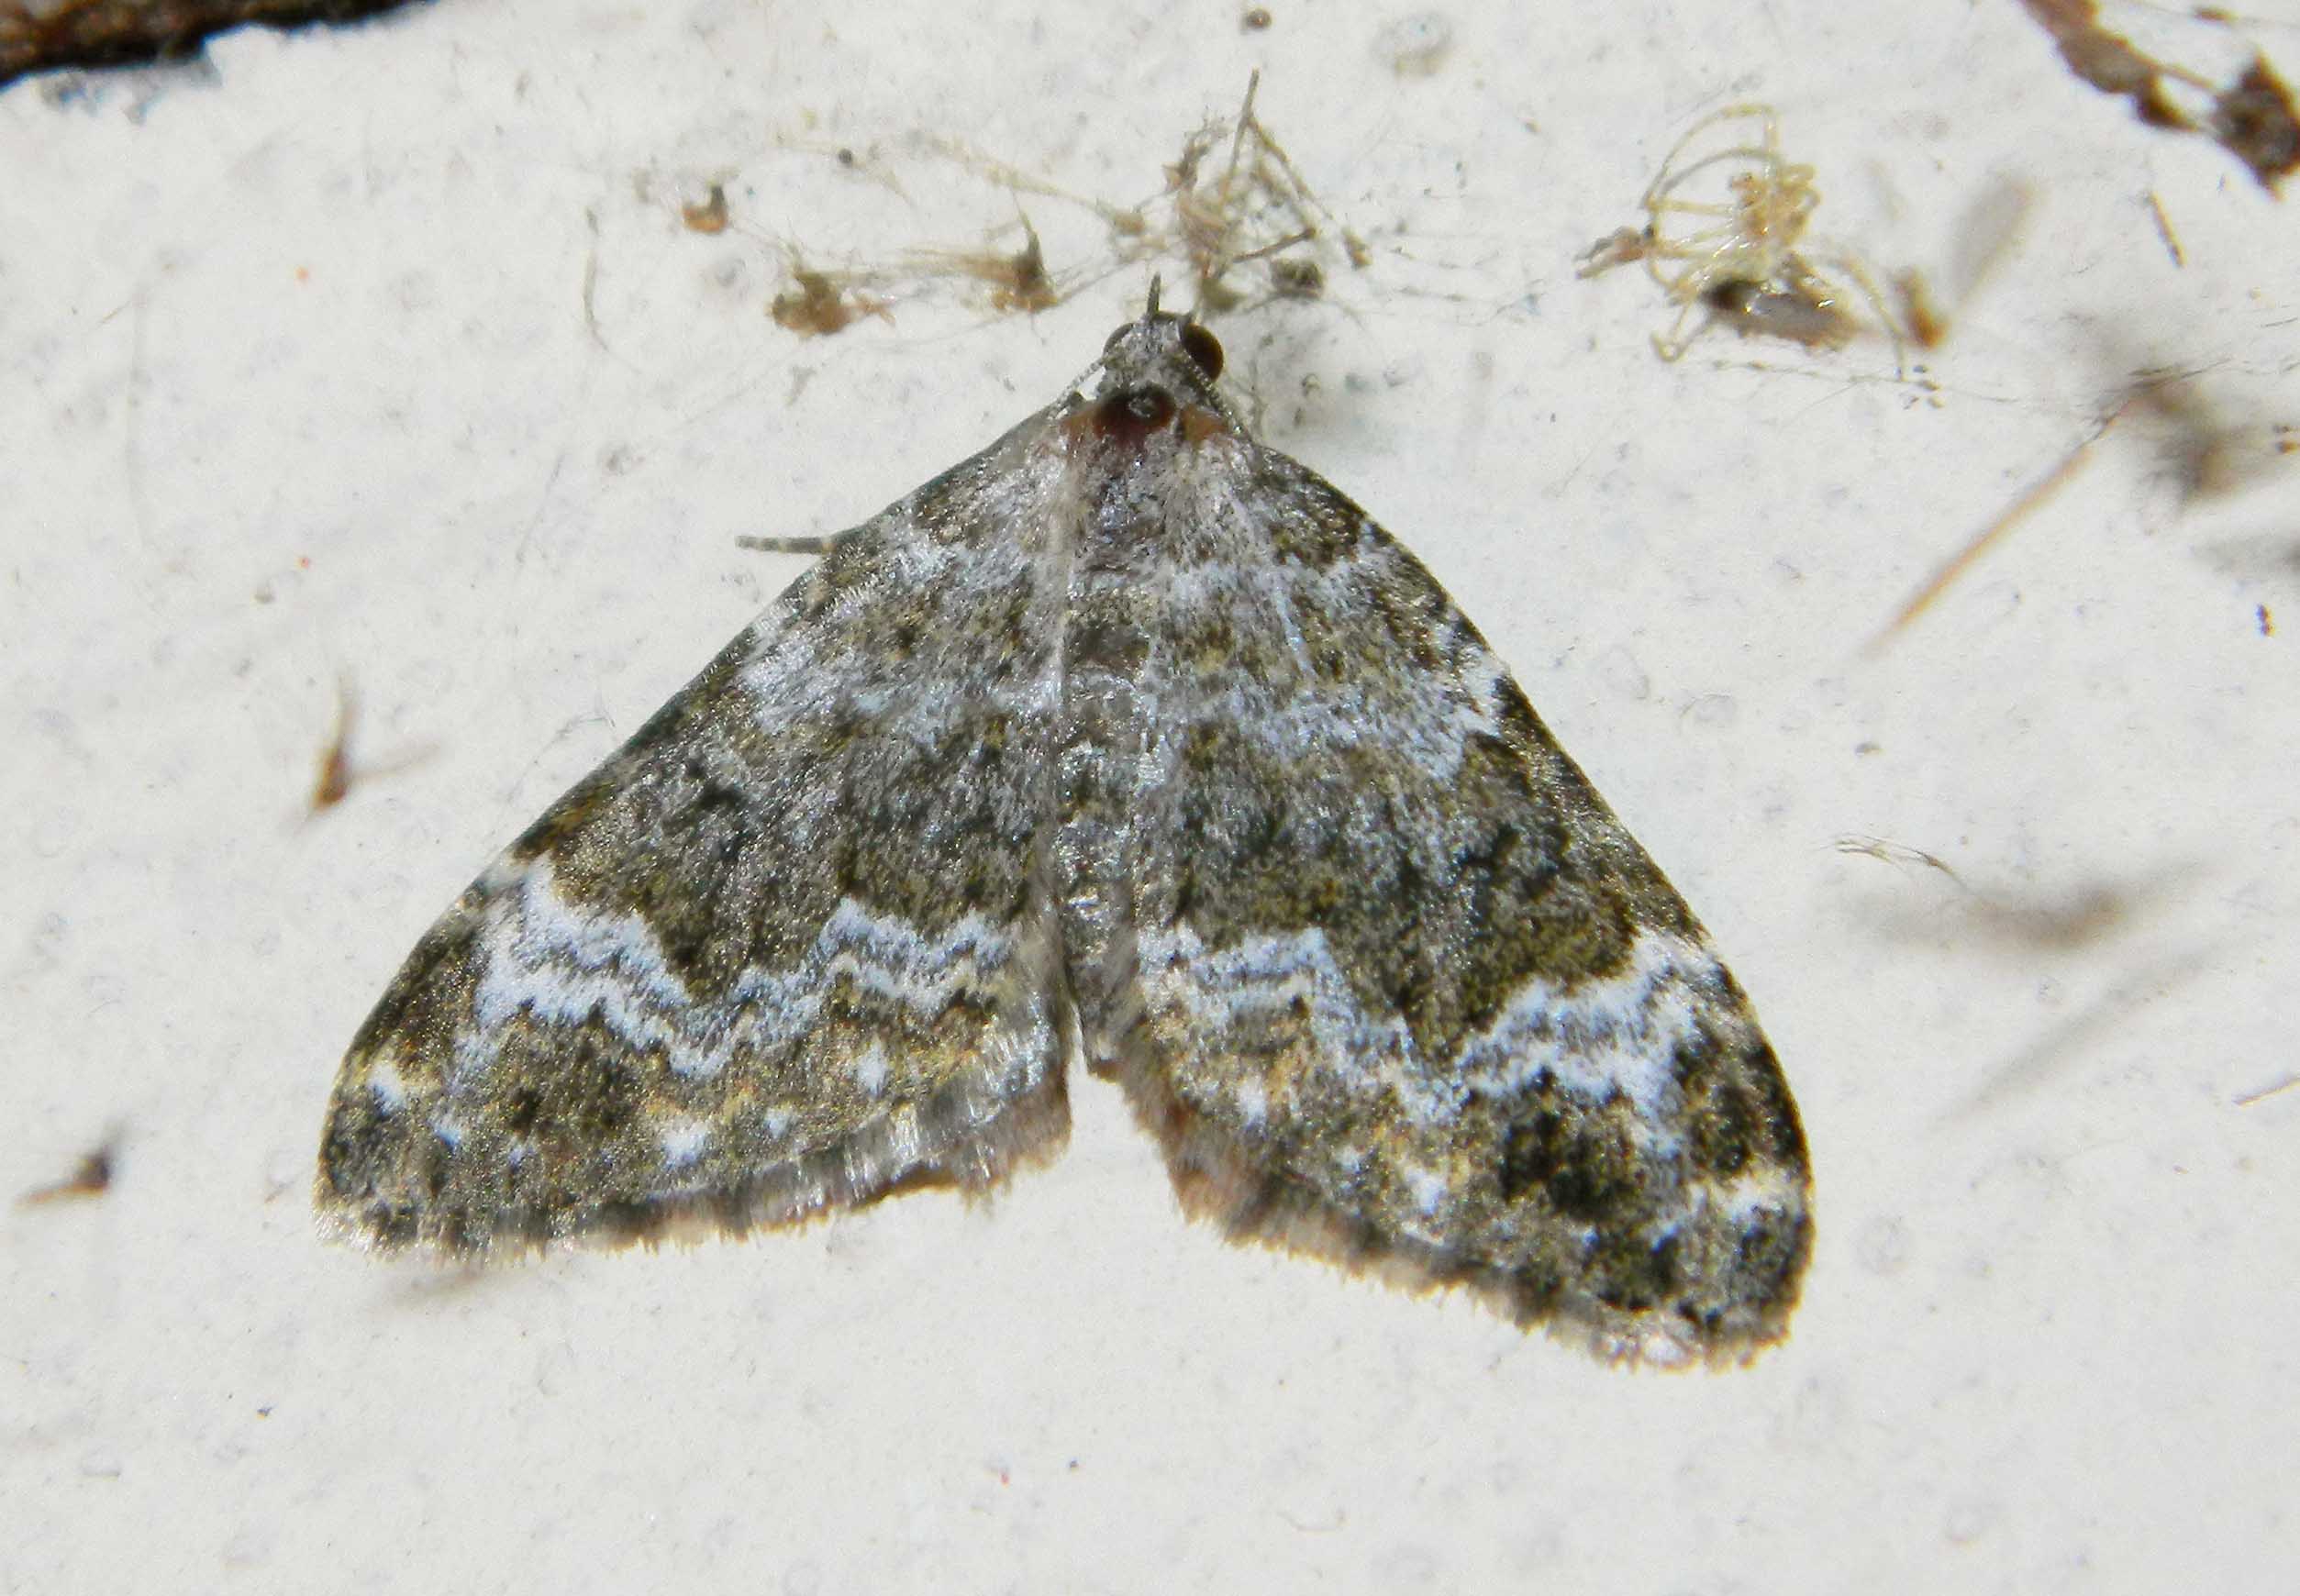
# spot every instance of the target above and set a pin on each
(696, 989)
(1408, 993)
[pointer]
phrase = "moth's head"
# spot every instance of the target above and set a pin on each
(1156, 375)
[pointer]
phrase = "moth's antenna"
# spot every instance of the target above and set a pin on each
(1153, 298)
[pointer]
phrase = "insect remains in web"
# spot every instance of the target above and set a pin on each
(1255, 208)
(817, 302)
(1726, 239)
(1232, 207)
(1019, 277)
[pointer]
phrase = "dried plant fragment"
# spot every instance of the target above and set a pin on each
(1989, 535)
(2252, 1099)
(1983, 233)
(710, 217)
(91, 1177)
(1921, 316)
(2202, 454)
(2254, 120)
(42, 35)
(1886, 851)
(338, 771)
(331, 784)
(2252, 117)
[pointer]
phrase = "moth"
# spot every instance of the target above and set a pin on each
(1129, 739)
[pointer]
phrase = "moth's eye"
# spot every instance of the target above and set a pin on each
(1204, 349)
(1134, 413)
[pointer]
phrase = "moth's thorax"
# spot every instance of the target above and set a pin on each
(1147, 440)
(1151, 451)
